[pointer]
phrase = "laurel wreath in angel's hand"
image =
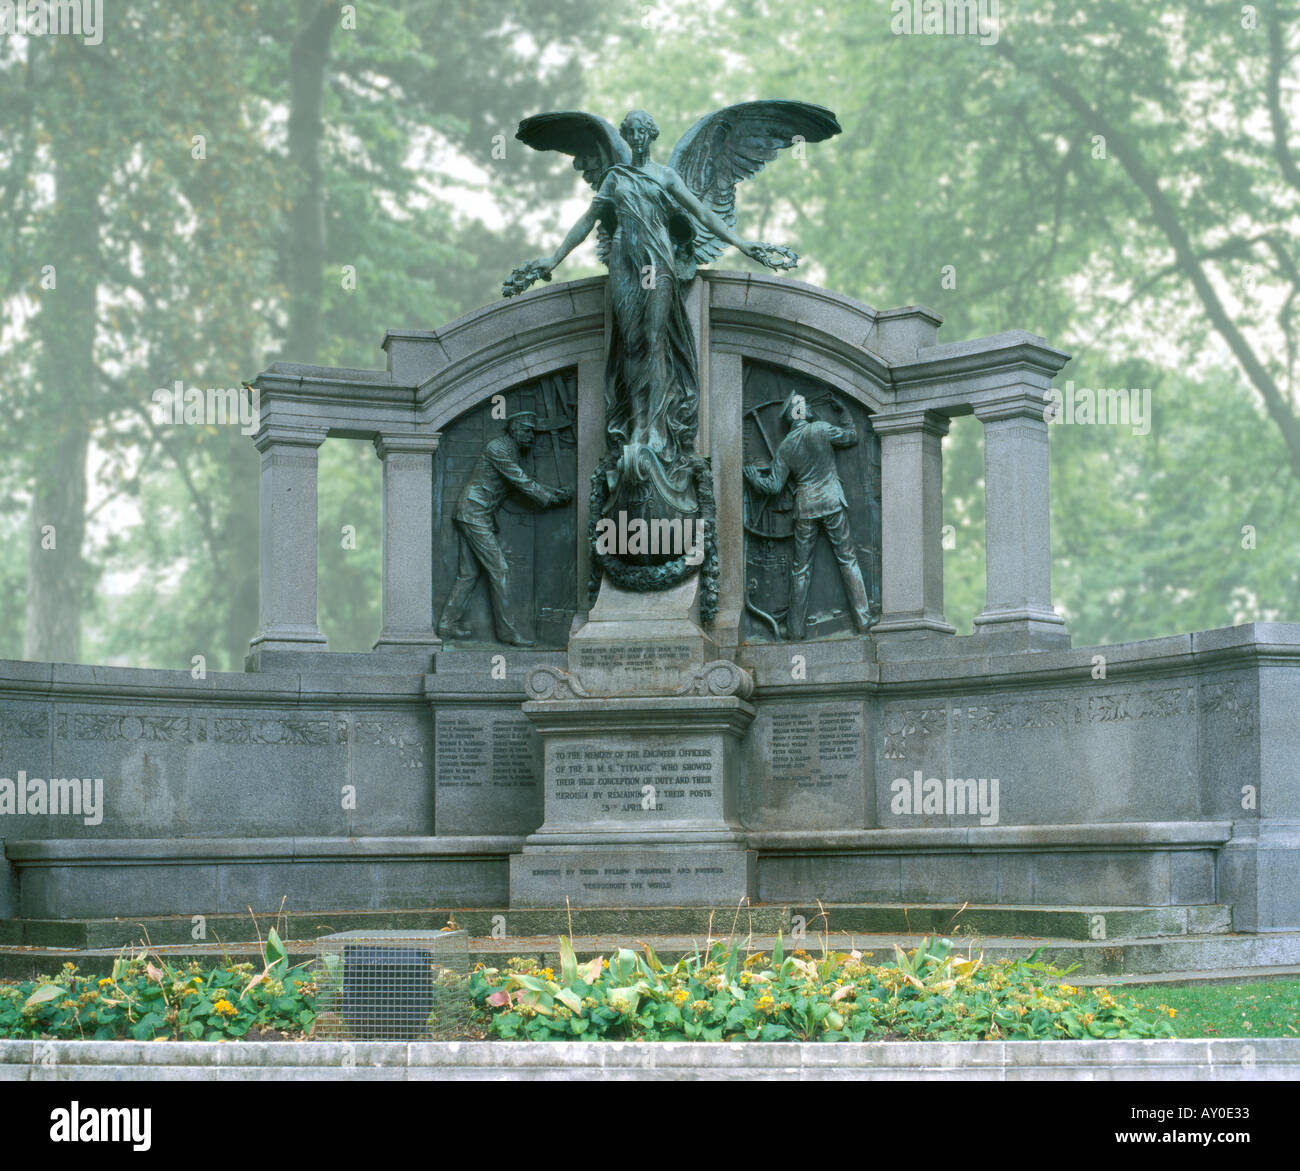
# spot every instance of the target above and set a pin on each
(524, 277)
(775, 256)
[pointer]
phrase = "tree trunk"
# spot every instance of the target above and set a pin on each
(307, 60)
(57, 574)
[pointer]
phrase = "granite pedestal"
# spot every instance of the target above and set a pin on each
(642, 751)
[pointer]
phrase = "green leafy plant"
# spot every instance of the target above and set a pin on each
(145, 998)
(928, 993)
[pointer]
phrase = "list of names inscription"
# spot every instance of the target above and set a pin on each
(488, 772)
(813, 748)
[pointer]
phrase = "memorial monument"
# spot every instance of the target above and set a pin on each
(642, 728)
(710, 661)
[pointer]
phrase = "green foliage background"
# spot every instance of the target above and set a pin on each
(1161, 258)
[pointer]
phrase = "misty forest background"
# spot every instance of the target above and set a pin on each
(1119, 176)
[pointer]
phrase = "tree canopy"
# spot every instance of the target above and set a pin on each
(215, 186)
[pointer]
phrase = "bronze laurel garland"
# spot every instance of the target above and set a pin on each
(644, 578)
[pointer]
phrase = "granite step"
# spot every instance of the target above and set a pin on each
(1079, 923)
(1094, 961)
(1201, 977)
(1045, 922)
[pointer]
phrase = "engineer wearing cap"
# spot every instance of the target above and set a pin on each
(806, 455)
(497, 470)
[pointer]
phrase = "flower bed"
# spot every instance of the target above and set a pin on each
(930, 993)
(145, 998)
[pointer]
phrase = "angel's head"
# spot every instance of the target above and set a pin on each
(639, 131)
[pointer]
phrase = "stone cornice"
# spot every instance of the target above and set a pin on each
(1011, 351)
(320, 383)
(906, 422)
(1017, 403)
(1112, 835)
(425, 443)
(205, 851)
(282, 435)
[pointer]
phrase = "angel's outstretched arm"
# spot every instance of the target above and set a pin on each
(710, 218)
(577, 234)
(541, 268)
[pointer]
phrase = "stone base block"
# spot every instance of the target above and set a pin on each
(640, 800)
(1015, 631)
(632, 876)
(625, 769)
(407, 642)
(288, 636)
(1258, 873)
(903, 641)
(640, 644)
(1000, 877)
(203, 876)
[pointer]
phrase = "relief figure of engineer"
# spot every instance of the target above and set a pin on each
(807, 457)
(497, 471)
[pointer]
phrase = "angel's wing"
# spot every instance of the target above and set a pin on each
(594, 143)
(734, 143)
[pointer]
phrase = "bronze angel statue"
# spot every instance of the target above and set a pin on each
(655, 224)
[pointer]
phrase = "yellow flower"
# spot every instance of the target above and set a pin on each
(1069, 989)
(225, 1008)
(680, 995)
(1173, 1012)
(105, 982)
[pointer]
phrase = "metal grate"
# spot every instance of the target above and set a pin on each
(392, 986)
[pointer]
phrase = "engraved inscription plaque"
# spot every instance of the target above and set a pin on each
(487, 772)
(635, 782)
(613, 668)
(806, 767)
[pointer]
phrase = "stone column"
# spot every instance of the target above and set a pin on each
(727, 417)
(408, 542)
(591, 446)
(911, 553)
(698, 304)
(288, 540)
(1018, 547)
